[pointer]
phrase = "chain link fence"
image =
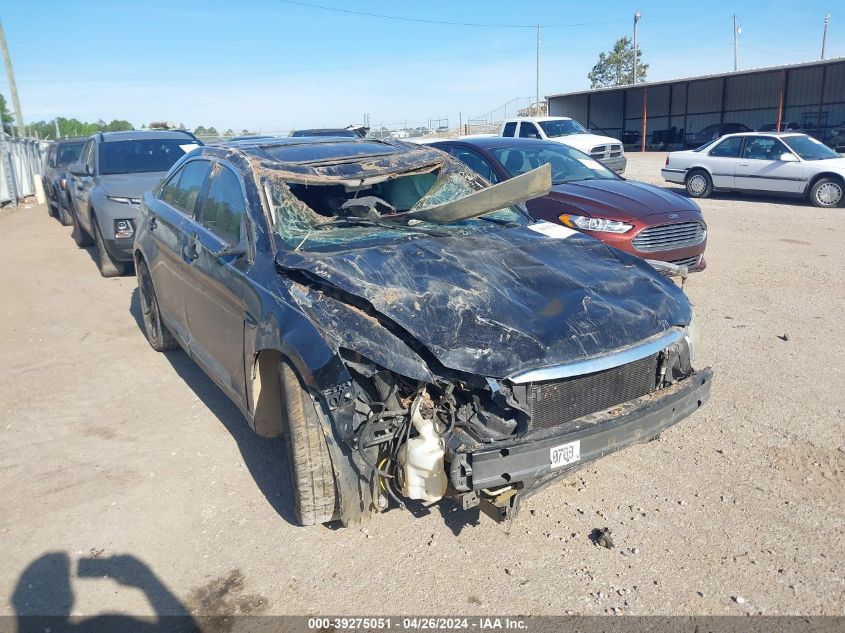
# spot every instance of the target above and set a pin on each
(21, 162)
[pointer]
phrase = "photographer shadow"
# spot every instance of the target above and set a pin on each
(43, 598)
(266, 459)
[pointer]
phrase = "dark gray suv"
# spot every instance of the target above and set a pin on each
(62, 153)
(106, 185)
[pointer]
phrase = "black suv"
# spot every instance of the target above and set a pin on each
(410, 330)
(61, 154)
(106, 184)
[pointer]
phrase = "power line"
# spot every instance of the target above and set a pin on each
(441, 22)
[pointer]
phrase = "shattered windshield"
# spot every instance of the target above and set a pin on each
(324, 216)
(562, 127)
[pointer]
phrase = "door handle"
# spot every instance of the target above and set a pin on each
(152, 224)
(192, 247)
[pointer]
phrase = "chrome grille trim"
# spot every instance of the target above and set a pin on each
(689, 262)
(608, 361)
(670, 236)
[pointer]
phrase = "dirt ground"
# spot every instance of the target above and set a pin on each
(129, 483)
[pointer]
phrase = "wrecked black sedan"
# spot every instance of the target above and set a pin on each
(408, 329)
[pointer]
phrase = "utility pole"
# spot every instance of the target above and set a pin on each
(13, 88)
(56, 123)
(637, 17)
(737, 31)
(537, 82)
(824, 36)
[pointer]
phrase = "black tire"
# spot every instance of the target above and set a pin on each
(79, 235)
(698, 184)
(827, 193)
(64, 214)
(311, 474)
(51, 209)
(108, 265)
(158, 336)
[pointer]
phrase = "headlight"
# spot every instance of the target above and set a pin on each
(594, 224)
(692, 336)
(122, 200)
(123, 229)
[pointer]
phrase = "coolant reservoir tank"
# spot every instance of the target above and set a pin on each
(422, 462)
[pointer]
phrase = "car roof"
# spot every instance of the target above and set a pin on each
(131, 135)
(302, 150)
(764, 134)
(540, 118)
(72, 139)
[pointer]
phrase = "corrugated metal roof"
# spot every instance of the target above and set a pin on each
(750, 71)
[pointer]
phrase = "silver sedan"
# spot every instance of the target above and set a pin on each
(783, 163)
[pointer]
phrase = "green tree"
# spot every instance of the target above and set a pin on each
(5, 115)
(616, 67)
(74, 127)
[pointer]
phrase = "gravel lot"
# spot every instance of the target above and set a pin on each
(129, 483)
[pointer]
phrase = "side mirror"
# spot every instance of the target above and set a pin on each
(786, 157)
(78, 169)
(237, 250)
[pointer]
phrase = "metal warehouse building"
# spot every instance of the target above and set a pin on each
(665, 114)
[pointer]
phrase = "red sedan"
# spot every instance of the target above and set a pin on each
(632, 216)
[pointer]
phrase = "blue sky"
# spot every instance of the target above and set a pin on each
(270, 65)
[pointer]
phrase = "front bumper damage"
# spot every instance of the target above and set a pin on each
(501, 475)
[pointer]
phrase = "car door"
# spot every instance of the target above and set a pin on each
(48, 179)
(722, 161)
(760, 167)
(83, 184)
(168, 224)
(214, 282)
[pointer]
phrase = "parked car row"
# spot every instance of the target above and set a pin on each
(408, 325)
(785, 163)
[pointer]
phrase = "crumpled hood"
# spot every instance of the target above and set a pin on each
(130, 185)
(585, 142)
(623, 200)
(503, 301)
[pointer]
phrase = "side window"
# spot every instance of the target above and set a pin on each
(51, 156)
(729, 148)
(763, 148)
(224, 206)
(86, 152)
(89, 160)
(183, 188)
(528, 130)
(475, 162)
(510, 129)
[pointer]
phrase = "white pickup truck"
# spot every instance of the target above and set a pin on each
(568, 131)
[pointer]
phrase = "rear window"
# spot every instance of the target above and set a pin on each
(69, 153)
(142, 155)
(307, 152)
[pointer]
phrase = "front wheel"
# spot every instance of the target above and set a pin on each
(827, 193)
(698, 184)
(108, 265)
(158, 335)
(80, 236)
(311, 474)
(64, 214)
